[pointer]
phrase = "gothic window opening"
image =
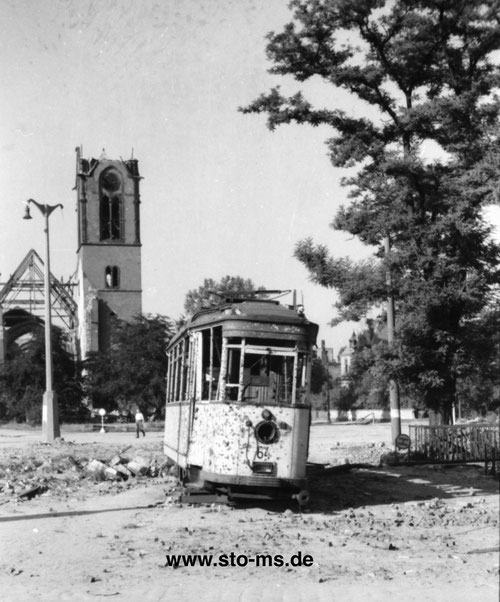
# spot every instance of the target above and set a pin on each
(112, 277)
(111, 206)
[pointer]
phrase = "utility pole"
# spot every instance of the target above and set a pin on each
(391, 322)
(325, 362)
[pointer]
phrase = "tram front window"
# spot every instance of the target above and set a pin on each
(264, 375)
(267, 378)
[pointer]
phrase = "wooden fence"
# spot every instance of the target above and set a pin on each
(454, 443)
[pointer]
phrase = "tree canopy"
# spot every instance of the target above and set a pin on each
(212, 292)
(131, 372)
(425, 73)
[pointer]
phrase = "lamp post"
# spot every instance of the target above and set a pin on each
(50, 413)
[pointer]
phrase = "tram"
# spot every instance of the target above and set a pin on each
(237, 412)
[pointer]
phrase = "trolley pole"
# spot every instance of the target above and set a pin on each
(391, 320)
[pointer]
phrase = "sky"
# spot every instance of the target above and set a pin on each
(162, 80)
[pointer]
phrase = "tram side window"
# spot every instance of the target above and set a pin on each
(302, 383)
(169, 380)
(171, 376)
(179, 372)
(211, 361)
(185, 370)
(233, 374)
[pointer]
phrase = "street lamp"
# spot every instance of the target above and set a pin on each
(50, 413)
(102, 413)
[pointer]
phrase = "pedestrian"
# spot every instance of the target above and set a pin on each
(139, 423)
(349, 415)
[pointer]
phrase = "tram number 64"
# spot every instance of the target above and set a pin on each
(263, 453)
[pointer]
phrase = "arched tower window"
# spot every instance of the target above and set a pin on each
(111, 206)
(112, 276)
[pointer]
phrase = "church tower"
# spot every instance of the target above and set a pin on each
(109, 247)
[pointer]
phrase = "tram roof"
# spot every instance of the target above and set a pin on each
(259, 310)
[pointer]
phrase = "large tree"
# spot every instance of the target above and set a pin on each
(424, 71)
(131, 372)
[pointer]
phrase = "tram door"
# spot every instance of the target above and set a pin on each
(205, 367)
(194, 378)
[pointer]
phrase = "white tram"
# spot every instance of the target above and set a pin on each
(237, 414)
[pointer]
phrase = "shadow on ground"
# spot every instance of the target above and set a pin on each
(339, 487)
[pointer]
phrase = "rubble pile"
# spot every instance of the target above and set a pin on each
(121, 468)
(398, 521)
(371, 453)
(63, 470)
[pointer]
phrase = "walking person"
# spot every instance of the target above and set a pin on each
(139, 423)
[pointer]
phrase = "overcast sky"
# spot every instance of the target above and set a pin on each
(163, 79)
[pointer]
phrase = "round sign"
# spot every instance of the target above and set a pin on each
(102, 412)
(403, 442)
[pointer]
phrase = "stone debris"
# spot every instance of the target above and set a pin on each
(139, 467)
(121, 468)
(96, 470)
(45, 470)
(111, 474)
(31, 492)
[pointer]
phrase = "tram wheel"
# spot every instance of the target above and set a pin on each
(179, 473)
(302, 498)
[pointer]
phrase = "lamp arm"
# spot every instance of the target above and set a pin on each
(50, 208)
(44, 209)
(39, 205)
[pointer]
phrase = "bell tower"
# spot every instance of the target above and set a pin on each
(109, 247)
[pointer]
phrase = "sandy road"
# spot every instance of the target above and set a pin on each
(376, 534)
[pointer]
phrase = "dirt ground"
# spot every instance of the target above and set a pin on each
(371, 532)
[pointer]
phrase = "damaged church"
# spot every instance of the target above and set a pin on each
(107, 280)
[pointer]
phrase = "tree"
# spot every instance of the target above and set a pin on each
(131, 372)
(22, 379)
(369, 384)
(212, 292)
(321, 383)
(319, 376)
(478, 389)
(423, 70)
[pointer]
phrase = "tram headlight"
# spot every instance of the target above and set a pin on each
(266, 432)
(267, 415)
